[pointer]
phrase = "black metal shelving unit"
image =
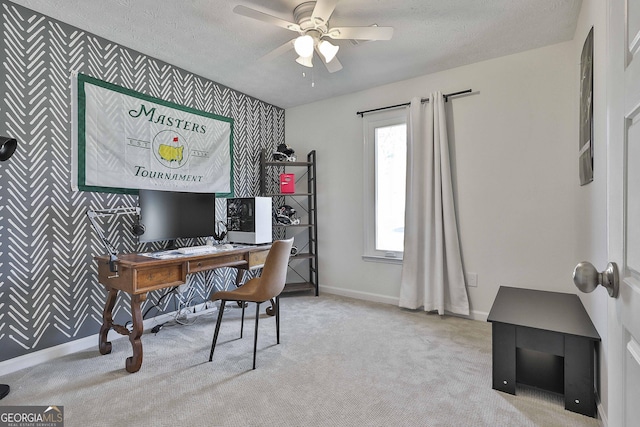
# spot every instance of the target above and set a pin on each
(304, 202)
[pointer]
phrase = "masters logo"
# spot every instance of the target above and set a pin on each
(170, 149)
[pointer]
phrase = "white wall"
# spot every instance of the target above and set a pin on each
(590, 206)
(524, 219)
(514, 152)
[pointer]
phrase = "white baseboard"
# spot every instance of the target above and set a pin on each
(366, 296)
(385, 299)
(602, 415)
(47, 354)
(479, 315)
(37, 357)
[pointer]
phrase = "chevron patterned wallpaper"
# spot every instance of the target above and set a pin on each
(49, 294)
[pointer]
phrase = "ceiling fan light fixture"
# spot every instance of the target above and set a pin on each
(305, 60)
(328, 50)
(311, 23)
(304, 46)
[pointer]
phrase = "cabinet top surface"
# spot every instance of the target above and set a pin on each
(550, 311)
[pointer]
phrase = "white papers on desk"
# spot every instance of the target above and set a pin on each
(173, 254)
(164, 254)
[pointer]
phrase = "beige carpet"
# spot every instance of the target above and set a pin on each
(341, 362)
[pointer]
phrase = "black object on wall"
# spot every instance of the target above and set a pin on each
(7, 148)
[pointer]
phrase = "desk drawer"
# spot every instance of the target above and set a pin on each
(257, 258)
(148, 279)
(230, 260)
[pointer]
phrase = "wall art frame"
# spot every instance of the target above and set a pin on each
(585, 152)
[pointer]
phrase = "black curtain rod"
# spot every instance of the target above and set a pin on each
(446, 97)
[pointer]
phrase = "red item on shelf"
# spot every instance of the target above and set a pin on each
(287, 183)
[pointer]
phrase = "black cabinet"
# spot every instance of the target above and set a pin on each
(303, 266)
(545, 340)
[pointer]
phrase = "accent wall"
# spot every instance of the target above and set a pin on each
(49, 293)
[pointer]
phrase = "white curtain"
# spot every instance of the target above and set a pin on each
(432, 274)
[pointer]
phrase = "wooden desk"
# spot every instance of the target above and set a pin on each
(546, 340)
(138, 274)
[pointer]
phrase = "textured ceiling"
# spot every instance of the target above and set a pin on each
(205, 37)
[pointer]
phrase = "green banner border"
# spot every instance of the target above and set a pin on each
(82, 100)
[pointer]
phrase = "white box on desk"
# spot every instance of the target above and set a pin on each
(249, 220)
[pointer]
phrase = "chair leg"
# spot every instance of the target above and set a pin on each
(242, 319)
(278, 319)
(215, 334)
(255, 337)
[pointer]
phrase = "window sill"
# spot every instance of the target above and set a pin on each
(387, 260)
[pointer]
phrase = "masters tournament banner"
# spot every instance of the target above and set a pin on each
(127, 141)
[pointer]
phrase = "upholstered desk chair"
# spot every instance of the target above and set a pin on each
(260, 289)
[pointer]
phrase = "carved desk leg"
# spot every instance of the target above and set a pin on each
(107, 322)
(134, 362)
(271, 311)
(239, 279)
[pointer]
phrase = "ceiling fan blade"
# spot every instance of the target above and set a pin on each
(269, 19)
(332, 66)
(361, 33)
(324, 9)
(278, 51)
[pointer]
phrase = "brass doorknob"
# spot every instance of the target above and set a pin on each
(587, 278)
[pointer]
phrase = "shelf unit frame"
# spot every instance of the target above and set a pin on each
(268, 185)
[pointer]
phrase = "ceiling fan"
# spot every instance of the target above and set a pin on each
(312, 24)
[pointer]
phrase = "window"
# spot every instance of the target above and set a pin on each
(385, 153)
